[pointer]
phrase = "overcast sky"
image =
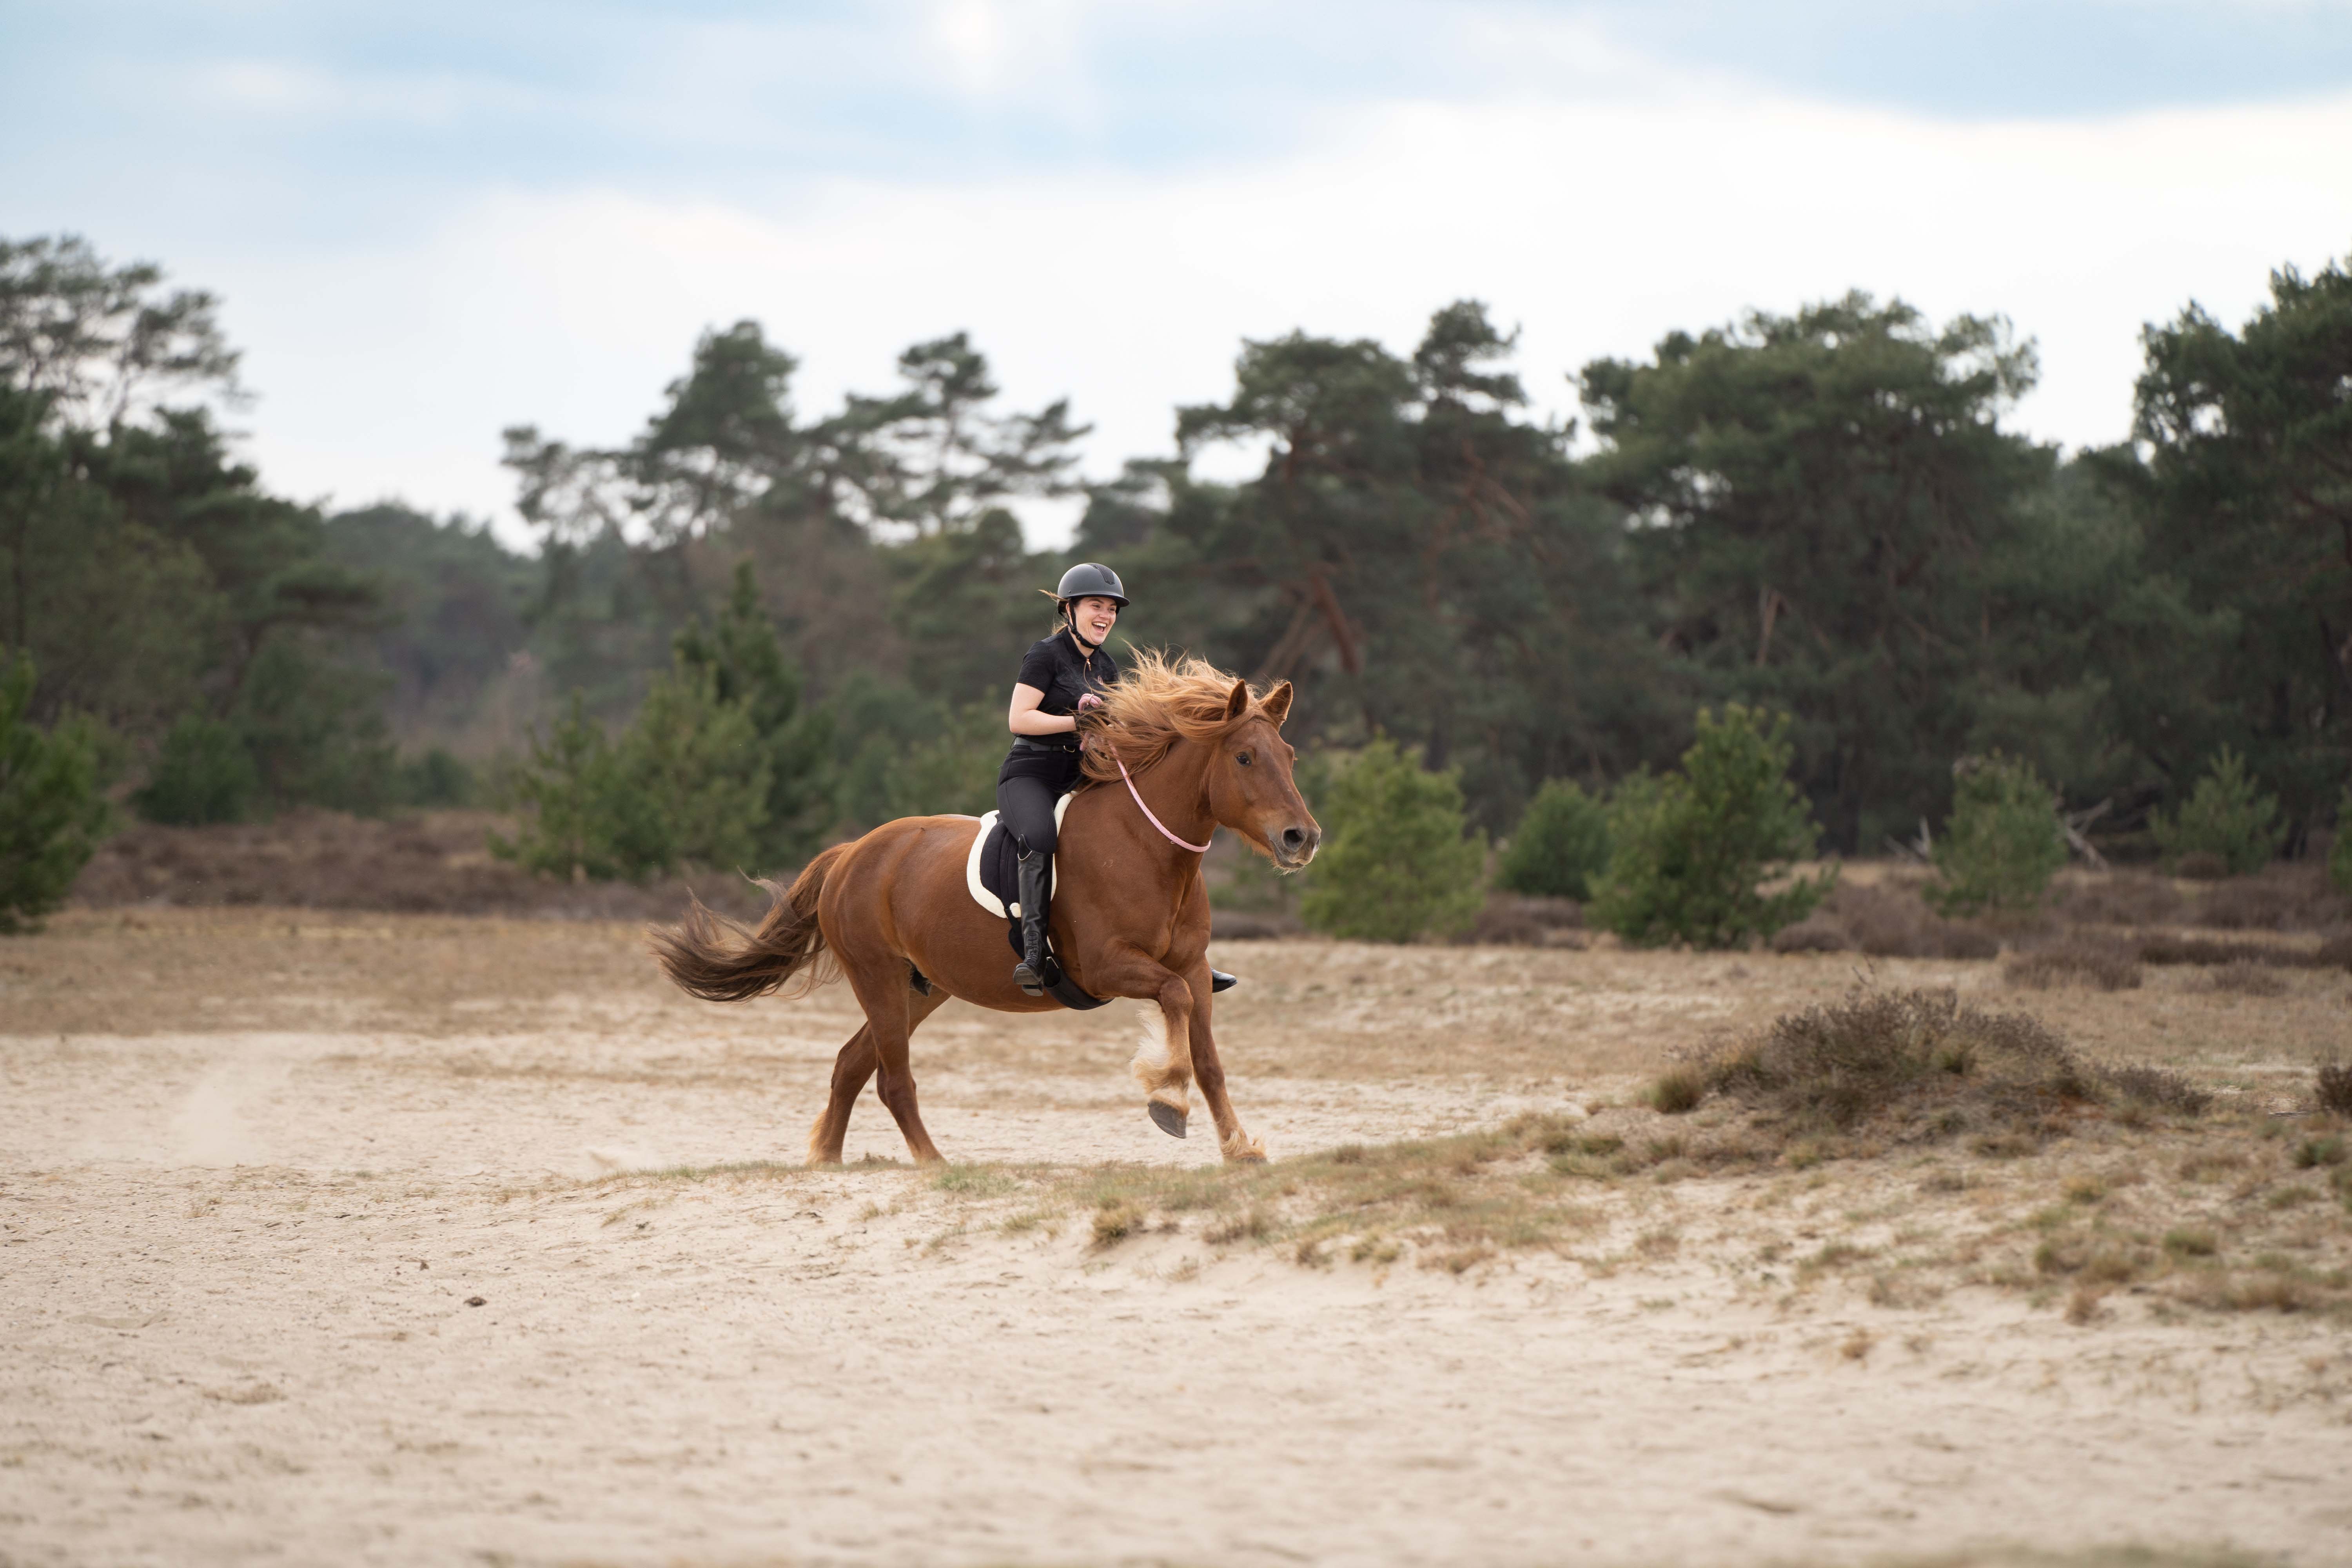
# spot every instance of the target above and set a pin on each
(431, 221)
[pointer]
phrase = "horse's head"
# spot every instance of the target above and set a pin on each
(1250, 784)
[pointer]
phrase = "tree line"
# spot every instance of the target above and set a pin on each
(1821, 514)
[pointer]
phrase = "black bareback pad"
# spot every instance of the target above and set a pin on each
(1000, 873)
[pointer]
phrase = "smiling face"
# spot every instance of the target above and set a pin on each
(1094, 616)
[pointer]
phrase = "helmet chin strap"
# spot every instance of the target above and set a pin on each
(1070, 619)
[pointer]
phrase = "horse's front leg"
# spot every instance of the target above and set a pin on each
(1236, 1145)
(1163, 1064)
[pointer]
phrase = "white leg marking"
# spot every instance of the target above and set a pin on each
(1155, 1065)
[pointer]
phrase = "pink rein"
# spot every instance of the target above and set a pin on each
(1195, 848)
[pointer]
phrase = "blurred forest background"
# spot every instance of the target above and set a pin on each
(789, 625)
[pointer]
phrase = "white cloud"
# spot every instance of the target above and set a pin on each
(1598, 227)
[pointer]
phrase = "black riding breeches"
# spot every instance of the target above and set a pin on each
(1025, 805)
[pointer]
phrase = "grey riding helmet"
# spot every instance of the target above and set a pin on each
(1089, 581)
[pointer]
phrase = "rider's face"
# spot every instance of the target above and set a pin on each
(1094, 616)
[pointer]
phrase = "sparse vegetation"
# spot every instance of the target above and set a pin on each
(2102, 963)
(2240, 977)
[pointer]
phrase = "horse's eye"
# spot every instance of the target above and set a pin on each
(1243, 759)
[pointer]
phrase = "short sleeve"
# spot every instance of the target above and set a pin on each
(1038, 667)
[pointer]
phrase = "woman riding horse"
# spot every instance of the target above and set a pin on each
(1061, 677)
(1174, 751)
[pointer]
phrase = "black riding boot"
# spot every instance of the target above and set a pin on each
(1030, 972)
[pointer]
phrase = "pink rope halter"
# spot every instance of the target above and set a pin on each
(1195, 848)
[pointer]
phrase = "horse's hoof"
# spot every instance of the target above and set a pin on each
(1165, 1117)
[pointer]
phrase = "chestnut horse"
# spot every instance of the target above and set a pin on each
(1130, 917)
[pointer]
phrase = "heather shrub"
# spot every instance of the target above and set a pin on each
(1919, 1057)
(2100, 964)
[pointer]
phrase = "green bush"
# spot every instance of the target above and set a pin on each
(723, 767)
(2003, 842)
(202, 774)
(577, 814)
(2340, 854)
(696, 769)
(313, 725)
(686, 784)
(50, 809)
(1691, 851)
(436, 779)
(746, 663)
(1561, 847)
(2227, 816)
(1396, 863)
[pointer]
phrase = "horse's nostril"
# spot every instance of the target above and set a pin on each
(1292, 839)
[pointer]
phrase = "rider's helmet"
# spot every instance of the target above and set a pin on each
(1089, 581)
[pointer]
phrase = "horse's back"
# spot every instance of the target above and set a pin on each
(906, 862)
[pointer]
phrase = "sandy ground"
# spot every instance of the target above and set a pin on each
(254, 1168)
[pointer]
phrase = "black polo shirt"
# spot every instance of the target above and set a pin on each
(1055, 667)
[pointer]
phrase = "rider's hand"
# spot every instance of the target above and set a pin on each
(1088, 699)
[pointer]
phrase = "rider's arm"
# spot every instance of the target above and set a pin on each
(1024, 718)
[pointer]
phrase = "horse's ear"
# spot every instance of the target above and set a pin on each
(1238, 704)
(1277, 704)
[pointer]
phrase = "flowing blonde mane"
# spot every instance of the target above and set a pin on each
(1160, 701)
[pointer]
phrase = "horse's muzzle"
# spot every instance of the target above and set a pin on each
(1295, 845)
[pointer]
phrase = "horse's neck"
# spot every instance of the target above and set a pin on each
(1174, 788)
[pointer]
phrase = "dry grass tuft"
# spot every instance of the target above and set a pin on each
(1885, 920)
(2155, 1088)
(2332, 1087)
(1115, 1222)
(1511, 920)
(2099, 962)
(2191, 1241)
(2239, 978)
(1676, 1090)
(427, 863)
(2167, 951)
(2285, 896)
(2122, 899)
(1816, 932)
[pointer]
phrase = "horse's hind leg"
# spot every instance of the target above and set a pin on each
(851, 1069)
(893, 1008)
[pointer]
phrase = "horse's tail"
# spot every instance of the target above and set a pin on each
(719, 960)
